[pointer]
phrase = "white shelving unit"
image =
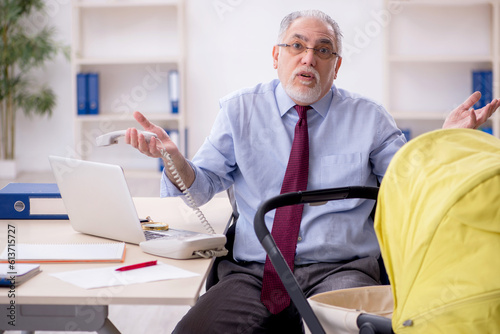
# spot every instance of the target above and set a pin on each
(428, 68)
(132, 44)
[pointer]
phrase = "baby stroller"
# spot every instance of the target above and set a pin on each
(438, 225)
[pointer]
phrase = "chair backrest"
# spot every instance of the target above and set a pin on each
(212, 277)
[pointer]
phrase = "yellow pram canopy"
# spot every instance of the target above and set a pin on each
(438, 225)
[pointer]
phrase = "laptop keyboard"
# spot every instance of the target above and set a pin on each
(170, 233)
(154, 235)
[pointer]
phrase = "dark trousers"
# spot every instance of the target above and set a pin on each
(233, 305)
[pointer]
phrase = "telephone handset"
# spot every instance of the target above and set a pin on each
(111, 138)
(186, 244)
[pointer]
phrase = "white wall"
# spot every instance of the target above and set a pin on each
(38, 137)
(230, 42)
(229, 45)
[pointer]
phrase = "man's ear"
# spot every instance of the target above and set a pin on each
(276, 52)
(337, 66)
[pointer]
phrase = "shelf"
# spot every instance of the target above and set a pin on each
(133, 45)
(127, 30)
(154, 117)
(429, 71)
(123, 3)
(439, 59)
(453, 3)
(128, 61)
(422, 115)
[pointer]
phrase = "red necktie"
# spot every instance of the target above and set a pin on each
(287, 219)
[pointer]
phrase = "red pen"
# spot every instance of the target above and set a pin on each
(137, 266)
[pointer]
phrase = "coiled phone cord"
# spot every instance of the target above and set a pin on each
(211, 253)
(182, 186)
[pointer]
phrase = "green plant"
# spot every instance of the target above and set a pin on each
(23, 48)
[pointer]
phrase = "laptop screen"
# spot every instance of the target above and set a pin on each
(97, 199)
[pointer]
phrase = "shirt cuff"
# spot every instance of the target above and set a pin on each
(197, 190)
(167, 188)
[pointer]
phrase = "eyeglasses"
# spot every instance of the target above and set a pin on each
(322, 52)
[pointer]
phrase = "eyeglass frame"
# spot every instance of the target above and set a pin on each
(306, 48)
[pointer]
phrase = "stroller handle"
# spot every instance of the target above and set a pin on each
(277, 259)
(304, 197)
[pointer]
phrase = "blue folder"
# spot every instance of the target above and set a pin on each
(173, 90)
(483, 81)
(31, 201)
(93, 93)
(81, 93)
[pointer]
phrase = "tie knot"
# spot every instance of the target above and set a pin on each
(302, 110)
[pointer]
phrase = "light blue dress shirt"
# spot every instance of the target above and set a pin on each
(351, 142)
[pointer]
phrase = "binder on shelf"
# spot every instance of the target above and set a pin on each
(173, 90)
(87, 92)
(487, 129)
(81, 93)
(407, 133)
(31, 201)
(483, 81)
(93, 93)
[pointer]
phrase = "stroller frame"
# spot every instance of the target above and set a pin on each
(367, 323)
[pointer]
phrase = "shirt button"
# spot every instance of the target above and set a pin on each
(299, 239)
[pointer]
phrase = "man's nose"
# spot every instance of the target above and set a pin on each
(308, 57)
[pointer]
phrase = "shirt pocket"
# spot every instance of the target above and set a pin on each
(341, 170)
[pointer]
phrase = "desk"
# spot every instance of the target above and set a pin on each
(62, 298)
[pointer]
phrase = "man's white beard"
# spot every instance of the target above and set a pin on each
(303, 93)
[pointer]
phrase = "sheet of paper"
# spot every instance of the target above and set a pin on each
(103, 277)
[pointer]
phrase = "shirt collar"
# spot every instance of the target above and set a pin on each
(285, 103)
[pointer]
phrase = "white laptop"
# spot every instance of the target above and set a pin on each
(98, 201)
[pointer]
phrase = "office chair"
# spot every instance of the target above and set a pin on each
(212, 277)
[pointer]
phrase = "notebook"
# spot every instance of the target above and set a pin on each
(98, 201)
(52, 253)
(17, 274)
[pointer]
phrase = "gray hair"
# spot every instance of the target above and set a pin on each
(317, 14)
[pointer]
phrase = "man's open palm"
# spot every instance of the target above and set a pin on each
(465, 117)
